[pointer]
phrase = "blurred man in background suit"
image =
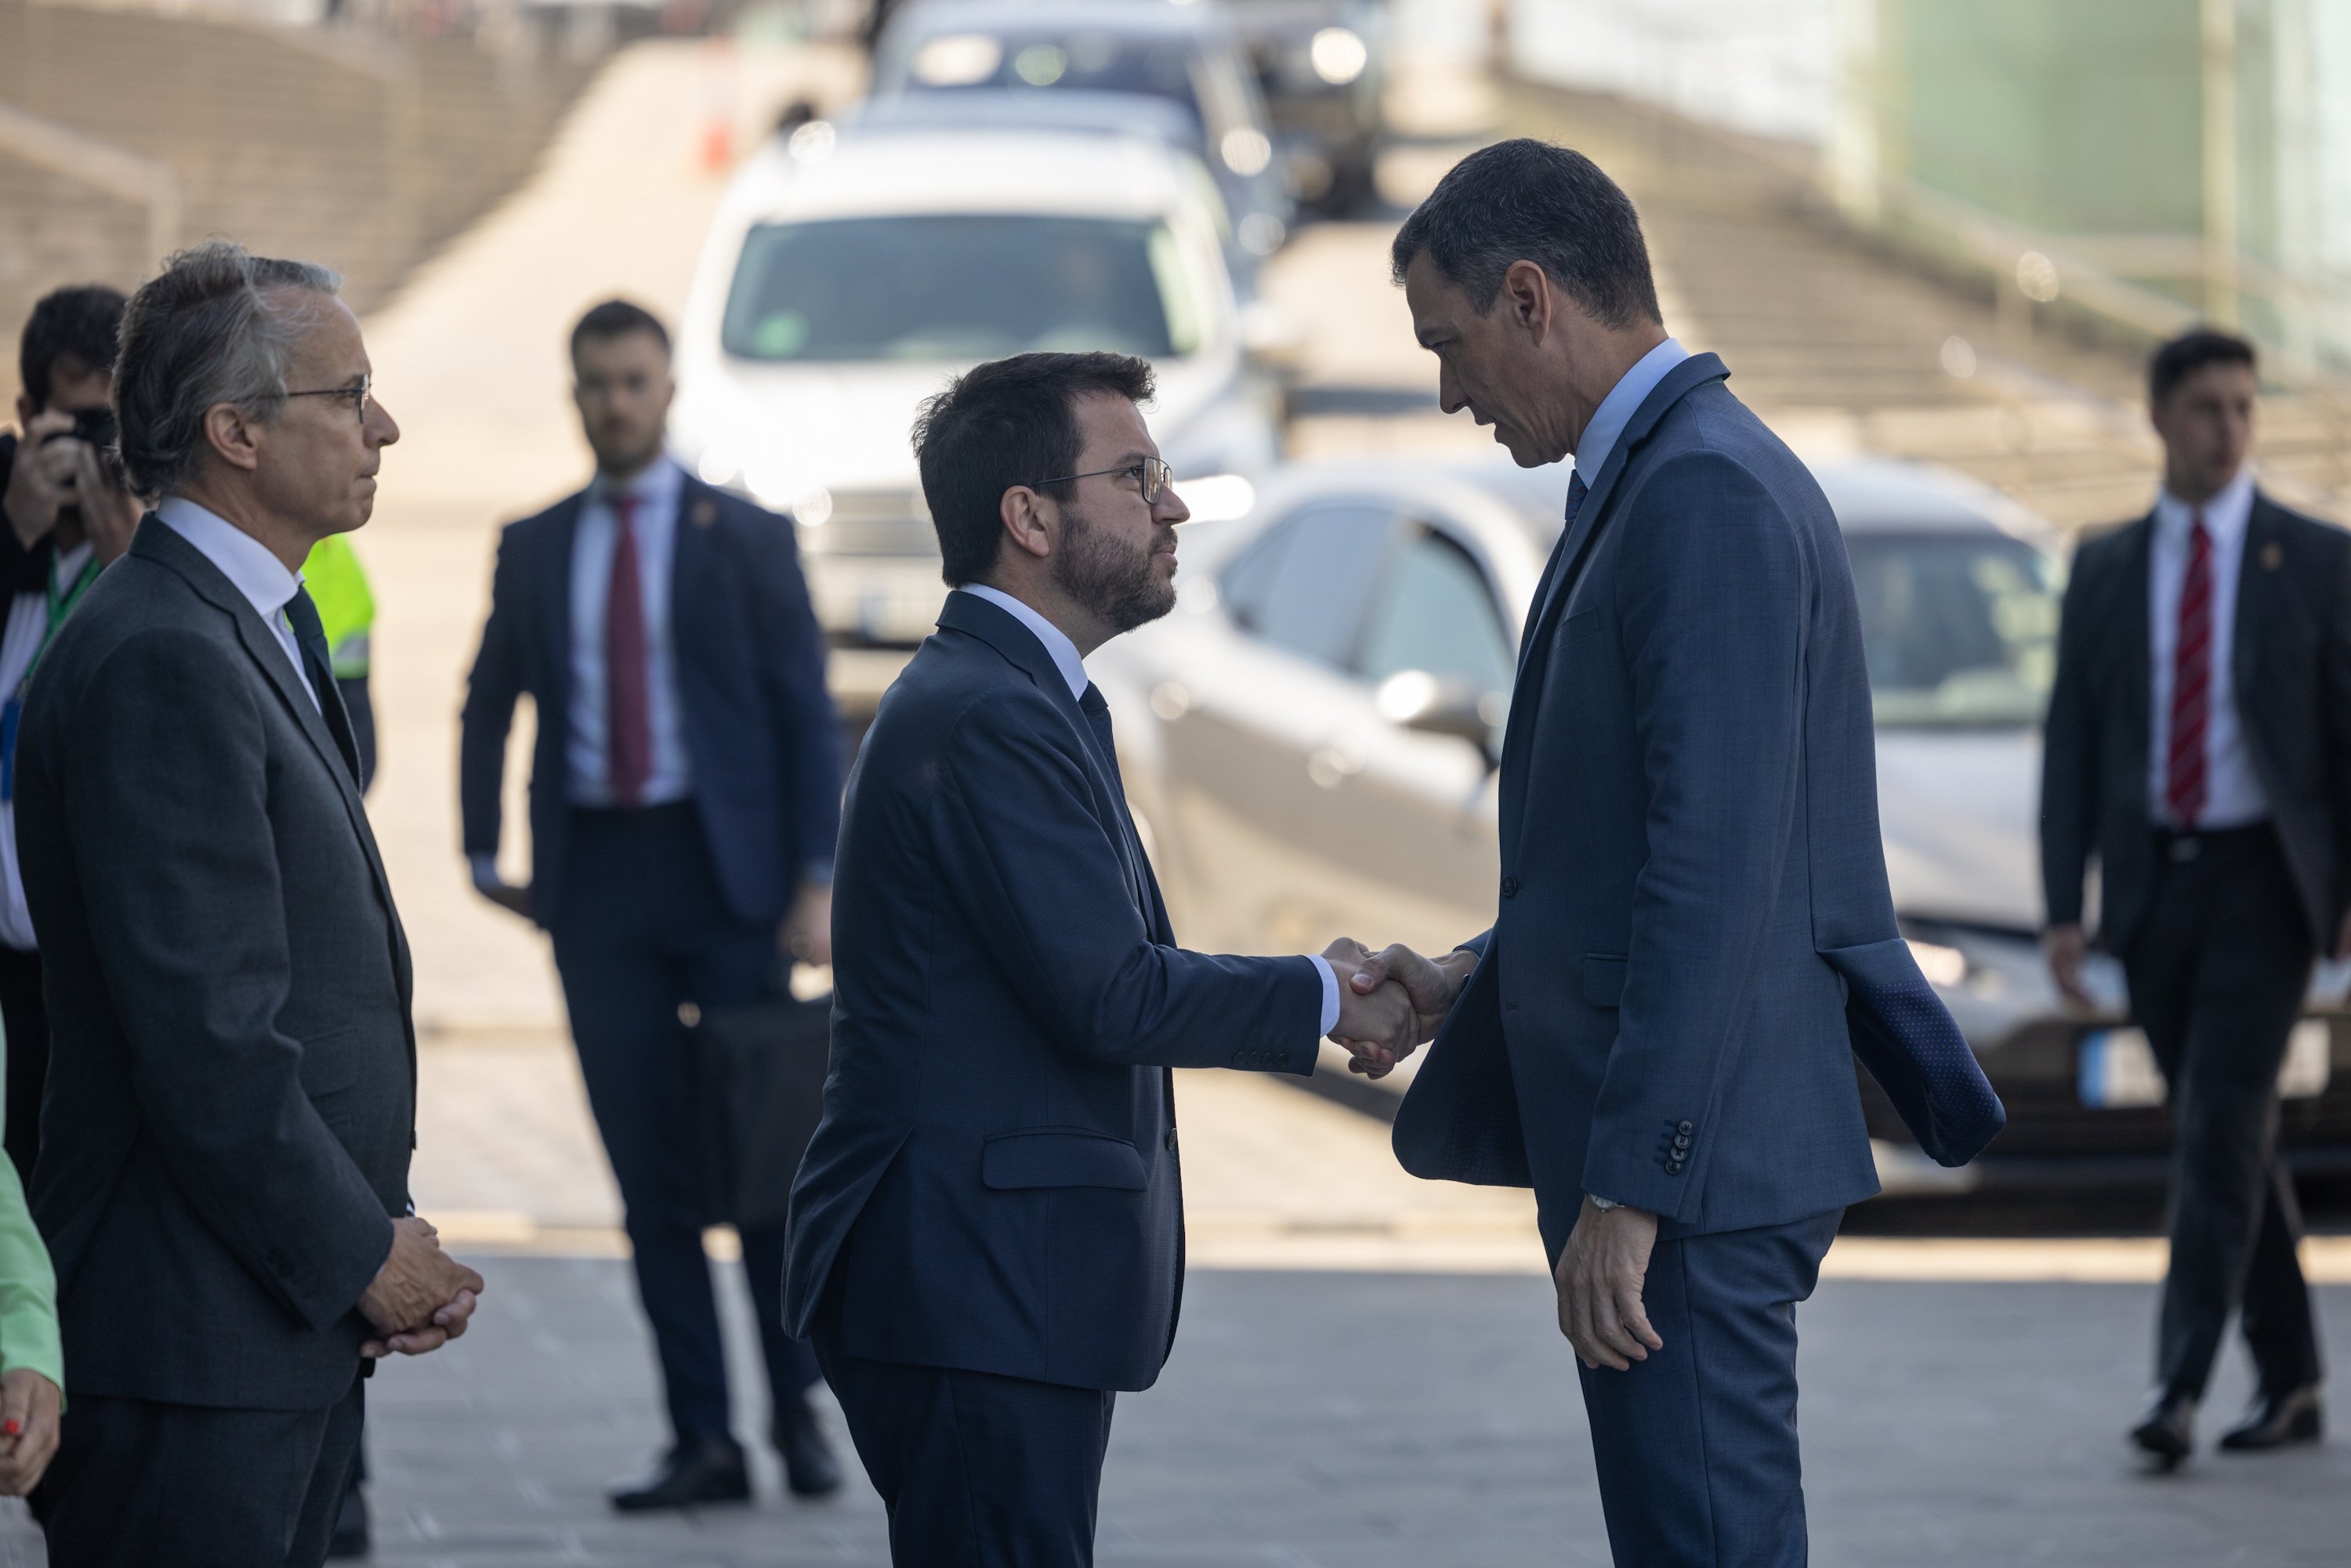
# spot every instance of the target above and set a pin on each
(2200, 746)
(69, 516)
(684, 795)
(223, 1181)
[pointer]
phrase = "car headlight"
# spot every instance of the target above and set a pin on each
(1339, 56)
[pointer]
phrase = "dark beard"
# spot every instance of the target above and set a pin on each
(1125, 588)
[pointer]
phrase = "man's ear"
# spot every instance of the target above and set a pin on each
(1526, 294)
(24, 413)
(234, 436)
(1025, 525)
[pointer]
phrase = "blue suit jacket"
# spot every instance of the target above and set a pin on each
(1695, 933)
(995, 1182)
(761, 739)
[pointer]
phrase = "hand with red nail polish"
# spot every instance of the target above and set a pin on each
(30, 1406)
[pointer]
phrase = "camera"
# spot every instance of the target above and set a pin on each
(96, 426)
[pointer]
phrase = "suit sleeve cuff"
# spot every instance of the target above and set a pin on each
(1330, 994)
(485, 869)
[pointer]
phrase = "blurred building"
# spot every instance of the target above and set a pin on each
(2148, 162)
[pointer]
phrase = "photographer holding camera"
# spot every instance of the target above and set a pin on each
(68, 516)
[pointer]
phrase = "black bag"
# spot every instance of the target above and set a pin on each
(759, 1091)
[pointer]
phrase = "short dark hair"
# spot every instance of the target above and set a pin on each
(2189, 353)
(215, 326)
(618, 318)
(1525, 199)
(79, 324)
(1006, 423)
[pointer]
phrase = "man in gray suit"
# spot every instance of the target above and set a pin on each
(1655, 1033)
(223, 1183)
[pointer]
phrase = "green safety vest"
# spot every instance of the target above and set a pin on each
(338, 587)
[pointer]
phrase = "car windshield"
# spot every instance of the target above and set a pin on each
(1087, 61)
(958, 287)
(1960, 629)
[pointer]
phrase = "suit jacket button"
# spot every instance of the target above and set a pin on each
(1241, 1059)
(1171, 1140)
(1509, 887)
(1681, 1141)
(1685, 1129)
(1673, 1167)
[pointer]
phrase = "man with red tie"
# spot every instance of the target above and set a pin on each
(2200, 747)
(686, 794)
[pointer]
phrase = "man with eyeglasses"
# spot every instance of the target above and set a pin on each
(685, 795)
(987, 1231)
(230, 1109)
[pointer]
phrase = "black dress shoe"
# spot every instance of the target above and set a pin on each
(810, 1467)
(699, 1469)
(2274, 1420)
(2167, 1430)
(350, 1537)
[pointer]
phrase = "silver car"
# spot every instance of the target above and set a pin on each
(1310, 743)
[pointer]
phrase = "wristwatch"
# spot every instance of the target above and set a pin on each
(1603, 1203)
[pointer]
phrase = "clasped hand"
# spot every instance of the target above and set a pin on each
(1391, 1002)
(422, 1298)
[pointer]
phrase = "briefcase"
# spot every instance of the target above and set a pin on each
(758, 1073)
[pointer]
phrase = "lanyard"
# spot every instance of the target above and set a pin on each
(62, 605)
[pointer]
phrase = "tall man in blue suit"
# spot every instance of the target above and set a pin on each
(685, 795)
(986, 1234)
(1654, 1035)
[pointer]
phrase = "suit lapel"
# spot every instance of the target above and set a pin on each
(552, 584)
(2261, 602)
(159, 541)
(2135, 649)
(996, 627)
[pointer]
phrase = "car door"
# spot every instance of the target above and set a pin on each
(1266, 718)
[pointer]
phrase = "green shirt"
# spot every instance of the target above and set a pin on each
(29, 1285)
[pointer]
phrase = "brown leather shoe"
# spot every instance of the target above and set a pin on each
(2167, 1430)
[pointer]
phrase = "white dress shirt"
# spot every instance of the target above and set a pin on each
(27, 628)
(1073, 667)
(587, 739)
(1616, 410)
(264, 581)
(2232, 795)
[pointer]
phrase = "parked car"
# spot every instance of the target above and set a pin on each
(1321, 66)
(847, 277)
(1187, 56)
(1309, 741)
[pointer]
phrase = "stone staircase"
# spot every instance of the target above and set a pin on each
(1846, 343)
(358, 152)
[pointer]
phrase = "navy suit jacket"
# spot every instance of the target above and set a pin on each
(1696, 933)
(761, 739)
(995, 1185)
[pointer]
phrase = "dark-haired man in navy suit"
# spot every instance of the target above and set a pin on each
(684, 795)
(1694, 936)
(987, 1232)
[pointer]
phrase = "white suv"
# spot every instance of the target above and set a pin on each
(848, 275)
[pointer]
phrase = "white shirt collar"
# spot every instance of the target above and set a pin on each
(1057, 642)
(2226, 514)
(244, 560)
(658, 485)
(1624, 400)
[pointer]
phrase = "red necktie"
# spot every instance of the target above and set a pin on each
(2191, 683)
(629, 735)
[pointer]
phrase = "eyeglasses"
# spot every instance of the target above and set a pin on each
(358, 395)
(1151, 475)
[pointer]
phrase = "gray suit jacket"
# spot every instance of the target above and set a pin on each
(1693, 886)
(232, 1082)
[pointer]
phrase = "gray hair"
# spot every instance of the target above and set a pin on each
(1529, 201)
(204, 332)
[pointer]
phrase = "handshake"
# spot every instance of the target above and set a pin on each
(1392, 1002)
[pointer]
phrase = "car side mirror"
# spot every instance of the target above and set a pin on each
(1416, 700)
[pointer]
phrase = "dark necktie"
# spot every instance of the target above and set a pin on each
(1576, 490)
(629, 749)
(2191, 683)
(1097, 712)
(318, 665)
